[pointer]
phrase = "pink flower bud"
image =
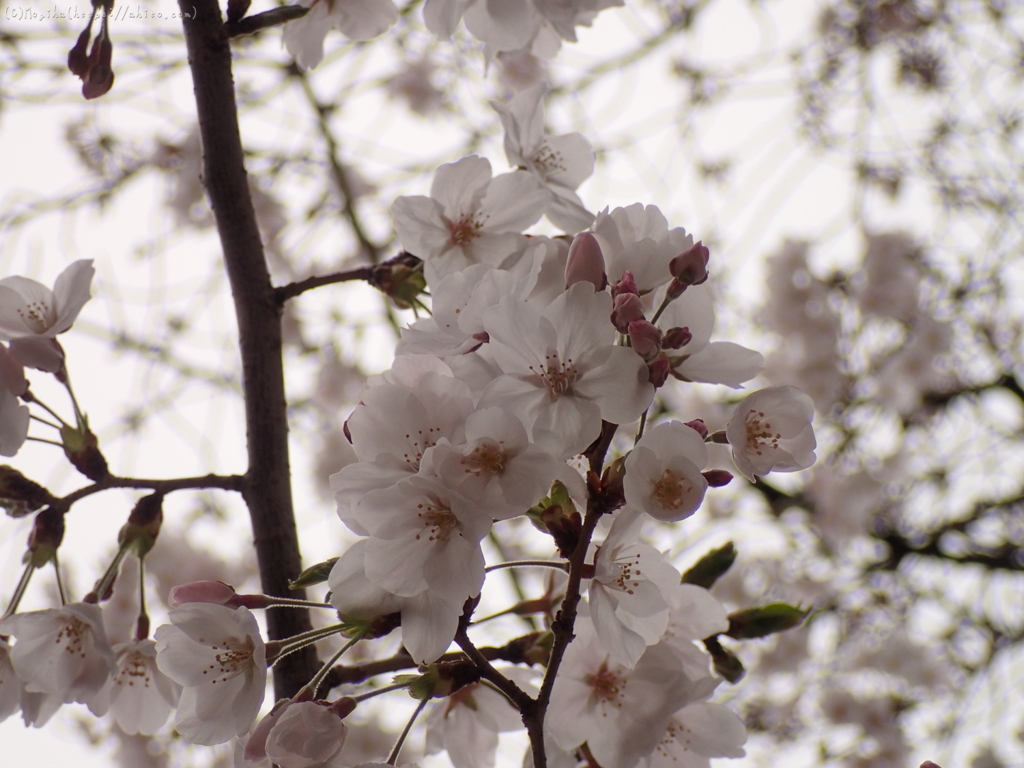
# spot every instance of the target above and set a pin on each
(625, 285)
(585, 262)
(626, 309)
(691, 266)
(717, 477)
(676, 338)
(699, 426)
(658, 371)
(202, 592)
(645, 338)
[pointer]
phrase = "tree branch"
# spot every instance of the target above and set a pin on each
(223, 482)
(267, 490)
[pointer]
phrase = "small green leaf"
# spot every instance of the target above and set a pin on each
(315, 574)
(706, 571)
(751, 623)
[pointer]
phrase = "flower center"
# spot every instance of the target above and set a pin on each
(438, 521)
(486, 459)
(557, 377)
(133, 668)
(72, 635)
(36, 315)
(670, 490)
(229, 659)
(548, 160)
(628, 571)
(419, 442)
(759, 433)
(606, 686)
(465, 230)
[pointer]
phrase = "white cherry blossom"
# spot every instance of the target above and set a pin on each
(429, 619)
(141, 697)
(562, 373)
(695, 734)
(620, 713)
(469, 217)
(637, 238)
(217, 654)
(62, 652)
(770, 431)
(627, 604)
(663, 472)
(356, 19)
(711, 362)
(10, 683)
(306, 735)
(467, 723)
(32, 315)
(559, 163)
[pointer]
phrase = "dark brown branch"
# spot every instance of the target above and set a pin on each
(275, 17)
(515, 694)
(512, 652)
(223, 482)
(290, 291)
(267, 489)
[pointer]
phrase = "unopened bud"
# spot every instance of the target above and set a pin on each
(100, 77)
(82, 449)
(216, 592)
(45, 538)
(585, 262)
(143, 524)
(691, 266)
(626, 308)
(626, 284)
(440, 679)
(698, 426)
(19, 495)
(343, 707)
(717, 477)
(752, 623)
(658, 371)
(726, 663)
(400, 278)
(676, 338)
(706, 571)
(645, 337)
(78, 58)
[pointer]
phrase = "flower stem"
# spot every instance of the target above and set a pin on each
(19, 591)
(303, 639)
(107, 579)
(380, 691)
(60, 582)
(142, 623)
(528, 564)
(318, 678)
(393, 757)
(287, 602)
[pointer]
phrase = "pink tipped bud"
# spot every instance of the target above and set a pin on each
(676, 338)
(645, 338)
(658, 371)
(699, 426)
(626, 308)
(691, 266)
(717, 477)
(625, 285)
(203, 592)
(586, 262)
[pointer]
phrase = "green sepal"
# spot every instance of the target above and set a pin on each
(315, 574)
(710, 568)
(751, 623)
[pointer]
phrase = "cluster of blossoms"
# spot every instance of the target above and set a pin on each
(536, 351)
(537, 26)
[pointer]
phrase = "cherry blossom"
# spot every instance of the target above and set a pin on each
(562, 374)
(559, 163)
(62, 652)
(627, 604)
(770, 431)
(469, 217)
(663, 472)
(10, 683)
(637, 238)
(31, 315)
(356, 19)
(467, 723)
(217, 654)
(429, 619)
(695, 734)
(141, 697)
(306, 735)
(620, 713)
